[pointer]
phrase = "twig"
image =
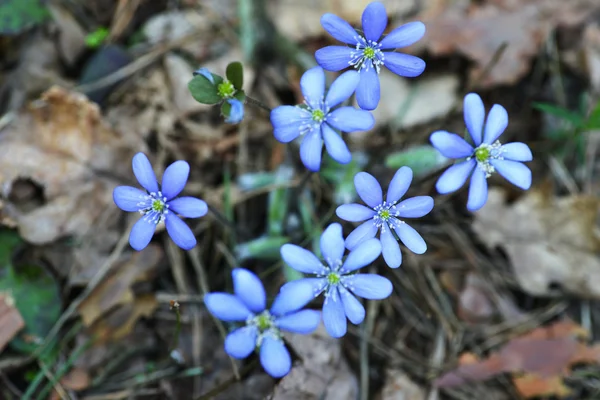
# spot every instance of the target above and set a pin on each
(257, 103)
(225, 385)
(365, 333)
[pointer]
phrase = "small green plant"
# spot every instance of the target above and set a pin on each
(95, 39)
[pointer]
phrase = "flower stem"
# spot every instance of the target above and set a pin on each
(256, 103)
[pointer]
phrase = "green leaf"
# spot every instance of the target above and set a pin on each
(204, 91)
(291, 274)
(421, 159)
(262, 248)
(235, 74)
(593, 121)
(240, 95)
(575, 118)
(278, 201)
(35, 292)
(19, 15)
(95, 39)
(225, 109)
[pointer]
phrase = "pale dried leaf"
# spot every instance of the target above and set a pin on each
(11, 321)
(398, 386)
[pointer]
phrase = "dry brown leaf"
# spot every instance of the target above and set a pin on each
(538, 360)
(76, 379)
(549, 241)
(11, 321)
(323, 373)
(478, 31)
(112, 309)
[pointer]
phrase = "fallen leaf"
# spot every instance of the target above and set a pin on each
(398, 386)
(76, 379)
(549, 240)
(173, 25)
(538, 360)
(11, 321)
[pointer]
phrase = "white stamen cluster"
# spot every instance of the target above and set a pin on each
(367, 54)
(312, 118)
(486, 152)
(334, 277)
(386, 216)
(153, 207)
(265, 324)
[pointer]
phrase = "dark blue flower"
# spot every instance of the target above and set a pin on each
(262, 327)
(316, 120)
(236, 115)
(368, 52)
(158, 204)
(486, 157)
(386, 215)
(337, 279)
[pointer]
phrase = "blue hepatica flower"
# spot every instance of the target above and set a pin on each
(262, 328)
(318, 122)
(386, 216)
(159, 204)
(336, 277)
(236, 115)
(369, 51)
(487, 156)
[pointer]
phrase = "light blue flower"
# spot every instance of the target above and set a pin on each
(206, 73)
(236, 115)
(316, 120)
(386, 215)
(159, 204)
(487, 155)
(336, 277)
(262, 328)
(367, 52)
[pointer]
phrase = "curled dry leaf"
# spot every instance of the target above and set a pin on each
(538, 360)
(322, 374)
(550, 241)
(11, 321)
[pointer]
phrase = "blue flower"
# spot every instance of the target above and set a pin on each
(318, 122)
(335, 277)
(236, 115)
(158, 204)
(386, 215)
(486, 157)
(262, 327)
(205, 72)
(368, 52)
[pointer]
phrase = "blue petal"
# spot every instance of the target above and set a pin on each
(248, 288)
(180, 233)
(141, 234)
(335, 145)
(478, 190)
(304, 321)
(496, 123)
(455, 176)
(334, 317)
(404, 64)
(175, 178)
(342, 88)
(363, 232)
(367, 91)
(339, 29)
(350, 119)
(363, 255)
(411, 238)
(189, 207)
(334, 58)
(354, 212)
(332, 243)
(205, 73)
(241, 342)
(514, 172)
(399, 184)
(374, 21)
(301, 259)
(236, 114)
(516, 151)
(368, 189)
(474, 113)
(450, 144)
(274, 357)
(142, 169)
(294, 297)
(390, 249)
(317, 285)
(226, 307)
(128, 198)
(287, 121)
(312, 85)
(310, 150)
(369, 286)
(415, 207)
(404, 35)
(354, 311)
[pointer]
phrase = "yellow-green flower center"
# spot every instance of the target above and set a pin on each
(158, 206)
(369, 53)
(482, 154)
(226, 90)
(318, 115)
(264, 322)
(333, 278)
(384, 214)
